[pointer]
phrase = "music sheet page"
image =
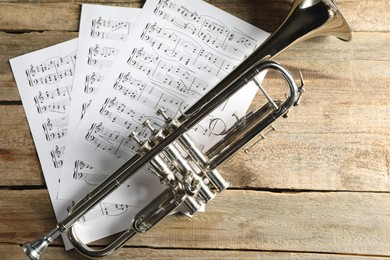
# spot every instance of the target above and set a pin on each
(45, 82)
(44, 79)
(177, 51)
(103, 30)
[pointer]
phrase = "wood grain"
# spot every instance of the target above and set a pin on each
(325, 222)
(14, 252)
(64, 15)
(18, 159)
(317, 188)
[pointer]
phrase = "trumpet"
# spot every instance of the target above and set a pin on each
(190, 174)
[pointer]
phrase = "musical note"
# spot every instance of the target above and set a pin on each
(109, 29)
(109, 35)
(57, 156)
(132, 119)
(110, 141)
(60, 107)
(190, 54)
(105, 210)
(164, 73)
(84, 108)
(91, 81)
(55, 128)
(104, 52)
(45, 76)
(56, 100)
(102, 57)
(48, 95)
(210, 30)
(85, 172)
(51, 71)
(153, 96)
(128, 86)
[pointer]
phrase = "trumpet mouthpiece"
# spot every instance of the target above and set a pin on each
(35, 249)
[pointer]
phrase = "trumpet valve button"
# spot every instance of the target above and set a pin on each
(134, 136)
(147, 123)
(162, 112)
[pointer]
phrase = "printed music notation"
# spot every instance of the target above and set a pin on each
(91, 82)
(162, 72)
(57, 156)
(57, 100)
(102, 57)
(112, 109)
(51, 71)
(55, 128)
(101, 216)
(176, 46)
(110, 141)
(103, 30)
(84, 108)
(170, 61)
(154, 96)
(51, 96)
(44, 79)
(87, 173)
(105, 210)
(203, 46)
(210, 30)
(110, 29)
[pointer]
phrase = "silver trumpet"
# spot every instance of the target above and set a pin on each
(190, 174)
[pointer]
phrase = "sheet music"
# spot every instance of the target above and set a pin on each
(45, 82)
(177, 52)
(103, 31)
(44, 79)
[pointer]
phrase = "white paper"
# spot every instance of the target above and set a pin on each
(103, 30)
(44, 79)
(177, 51)
(45, 82)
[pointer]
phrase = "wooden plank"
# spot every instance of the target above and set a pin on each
(339, 223)
(15, 252)
(64, 15)
(18, 160)
(372, 46)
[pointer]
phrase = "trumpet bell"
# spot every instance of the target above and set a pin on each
(306, 19)
(324, 14)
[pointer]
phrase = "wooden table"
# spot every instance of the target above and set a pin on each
(317, 188)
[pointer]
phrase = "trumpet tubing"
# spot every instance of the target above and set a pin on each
(190, 174)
